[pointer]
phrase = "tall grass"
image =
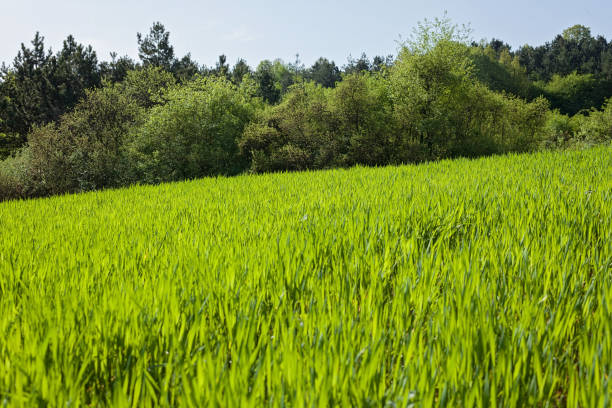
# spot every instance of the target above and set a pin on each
(458, 283)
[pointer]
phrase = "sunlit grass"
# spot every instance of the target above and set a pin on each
(459, 283)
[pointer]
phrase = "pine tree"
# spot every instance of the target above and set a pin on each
(155, 49)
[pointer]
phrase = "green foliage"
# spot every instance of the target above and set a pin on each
(185, 69)
(155, 49)
(597, 126)
(576, 50)
(429, 85)
(267, 88)
(440, 105)
(502, 74)
(582, 130)
(459, 284)
(575, 92)
(577, 33)
(239, 71)
(41, 86)
(85, 150)
(560, 129)
(363, 110)
(297, 134)
(9, 143)
(146, 86)
(324, 72)
(15, 176)
(195, 132)
(443, 97)
(274, 79)
(429, 105)
(116, 69)
(429, 35)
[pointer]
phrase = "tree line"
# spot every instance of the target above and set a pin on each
(70, 123)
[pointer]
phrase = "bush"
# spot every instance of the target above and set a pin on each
(509, 78)
(364, 110)
(442, 107)
(298, 134)
(502, 123)
(195, 133)
(575, 92)
(560, 129)
(428, 107)
(85, 150)
(146, 86)
(15, 176)
(597, 127)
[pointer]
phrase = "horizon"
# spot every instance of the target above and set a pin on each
(253, 33)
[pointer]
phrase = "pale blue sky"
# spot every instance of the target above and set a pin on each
(282, 28)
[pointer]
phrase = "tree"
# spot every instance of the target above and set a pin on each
(296, 134)
(597, 127)
(146, 86)
(430, 79)
(40, 86)
(116, 69)
(324, 72)
(195, 133)
(222, 67)
(501, 71)
(379, 63)
(264, 76)
(575, 50)
(577, 33)
(85, 149)
(185, 69)
(155, 48)
(442, 108)
(29, 86)
(362, 106)
(284, 75)
(240, 69)
(575, 92)
(77, 71)
(356, 66)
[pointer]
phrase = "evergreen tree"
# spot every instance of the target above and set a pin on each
(222, 67)
(185, 68)
(240, 69)
(39, 87)
(324, 72)
(356, 66)
(155, 49)
(117, 68)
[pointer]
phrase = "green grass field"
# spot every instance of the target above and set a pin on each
(458, 283)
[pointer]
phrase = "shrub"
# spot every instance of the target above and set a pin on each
(146, 86)
(300, 133)
(15, 176)
(85, 150)
(576, 92)
(430, 84)
(597, 126)
(441, 106)
(501, 123)
(195, 133)
(364, 110)
(560, 129)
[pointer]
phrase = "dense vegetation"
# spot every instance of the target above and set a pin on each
(458, 283)
(69, 123)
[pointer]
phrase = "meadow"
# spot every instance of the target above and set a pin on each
(481, 282)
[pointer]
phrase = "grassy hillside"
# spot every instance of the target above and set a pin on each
(454, 283)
